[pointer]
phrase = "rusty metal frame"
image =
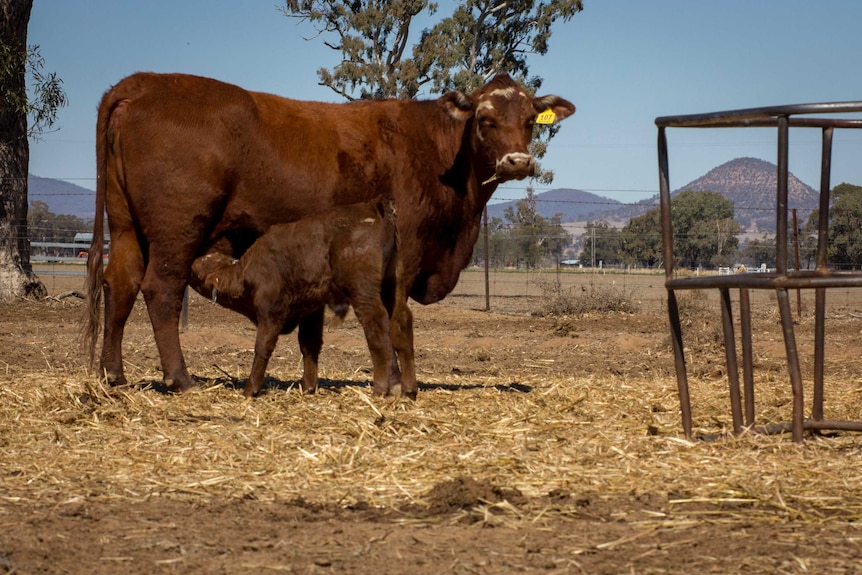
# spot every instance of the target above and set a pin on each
(820, 279)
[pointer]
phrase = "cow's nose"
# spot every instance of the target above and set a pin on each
(516, 165)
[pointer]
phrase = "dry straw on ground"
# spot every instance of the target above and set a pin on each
(555, 410)
(67, 437)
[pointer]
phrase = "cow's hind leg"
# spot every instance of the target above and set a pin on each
(163, 286)
(122, 281)
(310, 336)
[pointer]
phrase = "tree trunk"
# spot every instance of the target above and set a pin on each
(16, 273)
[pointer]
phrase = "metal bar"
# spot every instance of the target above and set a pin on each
(747, 355)
(823, 214)
(769, 122)
(796, 260)
(792, 362)
(819, 352)
(679, 362)
(487, 258)
(781, 280)
(664, 205)
(714, 118)
(730, 357)
(820, 293)
(808, 279)
(781, 199)
(672, 304)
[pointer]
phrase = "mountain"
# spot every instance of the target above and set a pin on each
(574, 205)
(62, 197)
(750, 183)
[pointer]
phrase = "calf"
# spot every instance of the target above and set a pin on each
(344, 256)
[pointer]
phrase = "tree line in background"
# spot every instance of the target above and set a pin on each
(380, 55)
(46, 226)
(705, 236)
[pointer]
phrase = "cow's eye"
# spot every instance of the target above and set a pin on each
(486, 121)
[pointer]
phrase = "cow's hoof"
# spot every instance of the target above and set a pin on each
(179, 386)
(115, 380)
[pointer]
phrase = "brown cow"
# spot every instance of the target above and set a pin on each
(343, 256)
(188, 165)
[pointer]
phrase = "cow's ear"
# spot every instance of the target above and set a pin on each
(458, 105)
(562, 108)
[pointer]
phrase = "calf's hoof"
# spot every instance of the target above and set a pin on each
(251, 392)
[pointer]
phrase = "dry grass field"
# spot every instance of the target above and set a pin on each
(538, 444)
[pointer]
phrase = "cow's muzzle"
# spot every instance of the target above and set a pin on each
(515, 166)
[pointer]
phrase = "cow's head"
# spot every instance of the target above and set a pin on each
(504, 115)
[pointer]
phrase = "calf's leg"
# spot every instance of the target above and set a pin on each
(374, 319)
(267, 337)
(401, 333)
(310, 336)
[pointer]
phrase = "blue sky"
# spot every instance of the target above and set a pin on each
(621, 62)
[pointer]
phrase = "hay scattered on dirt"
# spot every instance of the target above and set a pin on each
(65, 438)
(524, 425)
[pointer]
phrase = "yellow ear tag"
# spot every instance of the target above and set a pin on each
(546, 117)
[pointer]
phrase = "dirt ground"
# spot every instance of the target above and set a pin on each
(560, 450)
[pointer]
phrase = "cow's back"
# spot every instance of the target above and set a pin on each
(236, 162)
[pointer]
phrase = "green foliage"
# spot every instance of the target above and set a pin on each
(484, 37)
(46, 226)
(44, 96)
(528, 239)
(641, 240)
(372, 36)
(703, 227)
(601, 243)
(460, 52)
(759, 251)
(479, 39)
(844, 248)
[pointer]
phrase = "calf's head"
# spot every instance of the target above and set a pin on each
(504, 115)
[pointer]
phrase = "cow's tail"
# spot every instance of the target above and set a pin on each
(95, 256)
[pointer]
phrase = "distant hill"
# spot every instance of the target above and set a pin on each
(750, 183)
(62, 197)
(574, 205)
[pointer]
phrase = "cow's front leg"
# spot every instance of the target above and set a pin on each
(310, 336)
